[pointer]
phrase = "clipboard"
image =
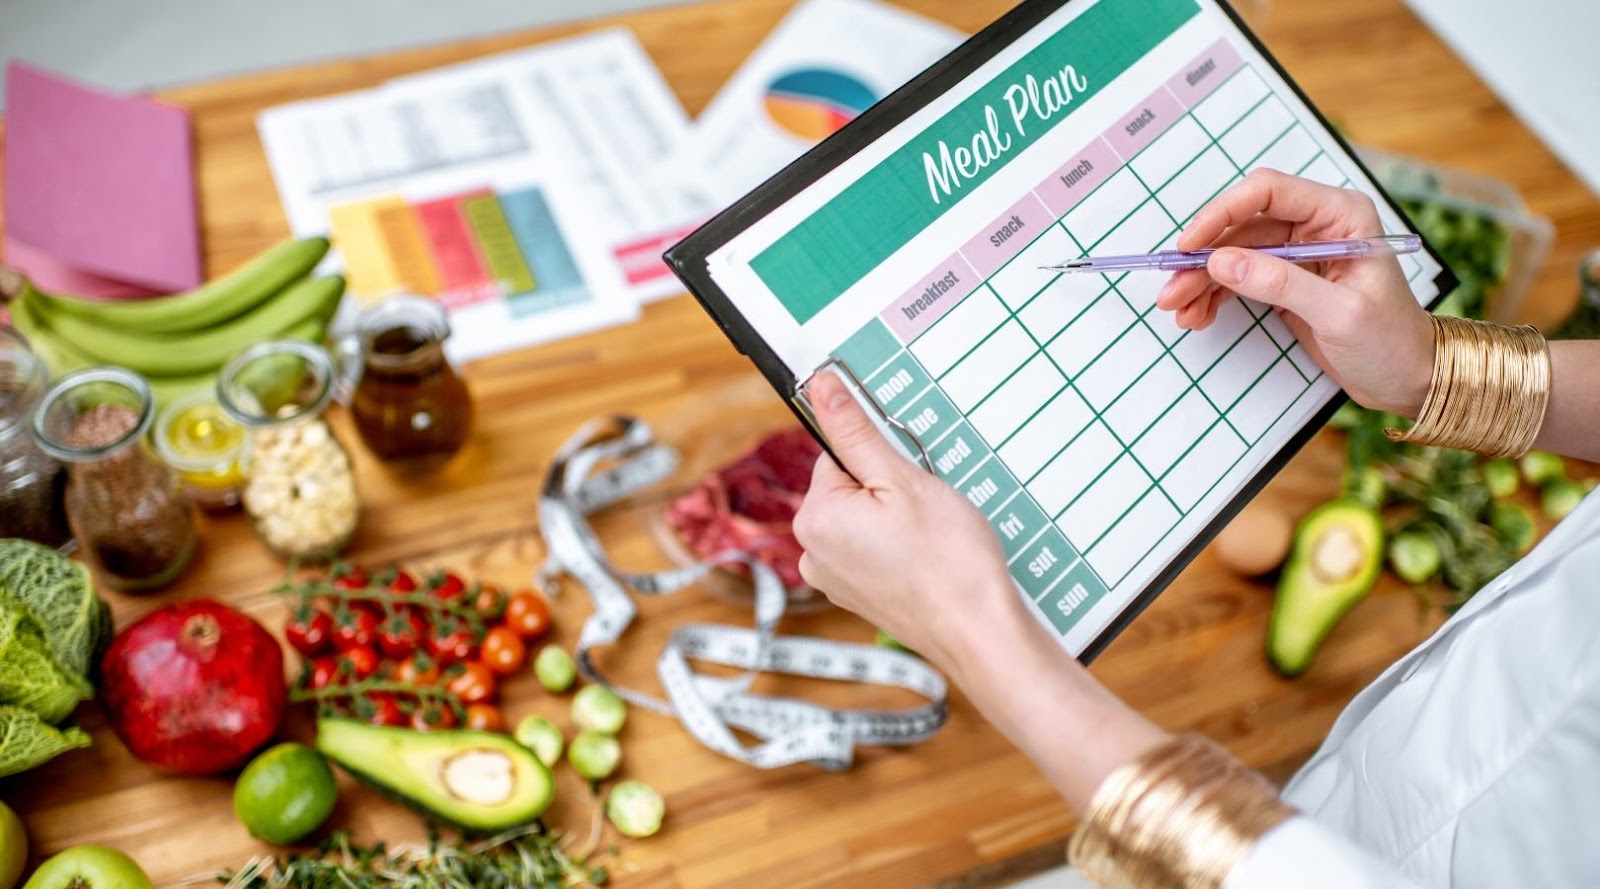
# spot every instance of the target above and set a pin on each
(1170, 91)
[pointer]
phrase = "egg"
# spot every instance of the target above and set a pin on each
(1256, 541)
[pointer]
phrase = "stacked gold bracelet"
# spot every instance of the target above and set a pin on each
(1183, 815)
(1490, 388)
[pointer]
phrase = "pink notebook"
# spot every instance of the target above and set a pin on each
(99, 189)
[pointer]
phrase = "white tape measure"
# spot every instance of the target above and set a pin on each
(605, 462)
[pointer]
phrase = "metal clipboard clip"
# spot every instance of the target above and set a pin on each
(841, 366)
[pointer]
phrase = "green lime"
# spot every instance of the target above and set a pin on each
(284, 794)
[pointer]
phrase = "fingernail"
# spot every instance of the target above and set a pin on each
(1166, 291)
(1230, 266)
(840, 396)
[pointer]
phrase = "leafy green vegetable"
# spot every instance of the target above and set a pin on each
(30, 674)
(27, 741)
(60, 596)
(1471, 242)
(531, 858)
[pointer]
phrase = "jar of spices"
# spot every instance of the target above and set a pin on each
(31, 481)
(409, 404)
(127, 510)
(299, 489)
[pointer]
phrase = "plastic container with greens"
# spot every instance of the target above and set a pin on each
(1479, 225)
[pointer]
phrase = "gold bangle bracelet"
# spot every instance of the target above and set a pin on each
(1489, 392)
(1180, 817)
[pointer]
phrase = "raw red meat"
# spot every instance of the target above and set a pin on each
(749, 505)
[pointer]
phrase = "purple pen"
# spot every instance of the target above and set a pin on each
(1295, 251)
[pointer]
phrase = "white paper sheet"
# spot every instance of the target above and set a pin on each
(825, 62)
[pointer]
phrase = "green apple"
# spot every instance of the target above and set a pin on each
(13, 847)
(89, 867)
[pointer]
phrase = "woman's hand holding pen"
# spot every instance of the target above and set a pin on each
(1358, 320)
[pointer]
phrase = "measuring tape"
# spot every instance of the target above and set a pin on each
(607, 461)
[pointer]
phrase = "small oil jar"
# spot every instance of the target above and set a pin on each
(206, 447)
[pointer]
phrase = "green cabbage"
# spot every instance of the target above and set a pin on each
(27, 741)
(30, 674)
(58, 593)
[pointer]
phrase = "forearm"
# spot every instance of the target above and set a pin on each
(1572, 421)
(1049, 706)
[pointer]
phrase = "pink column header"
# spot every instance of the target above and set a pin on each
(1005, 237)
(1077, 177)
(1207, 72)
(1148, 120)
(934, 295)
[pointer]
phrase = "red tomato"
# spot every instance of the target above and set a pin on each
(360, 660)
(430, 718)
(386, 710)
(504, 652)
(325, 673)
(447, 587)
(474, 684)
(354, 579)
(417, 671)
(490, 602)
(403, 582)
(451, 647)
(354, 626)
(529, 615)
(310, 632)
(401, 633)
(485, 718)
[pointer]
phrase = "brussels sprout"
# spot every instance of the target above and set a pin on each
(1560, 497)
(542, 737)
(1501, 477)
(1514, 526)
(1414, 556)
(598, 709)
(1539, 467)
(593, 755)
(555, 668)
(635, 808)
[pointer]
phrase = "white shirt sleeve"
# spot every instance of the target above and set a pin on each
(1304, 854)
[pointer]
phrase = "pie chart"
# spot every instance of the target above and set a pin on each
(813, 103)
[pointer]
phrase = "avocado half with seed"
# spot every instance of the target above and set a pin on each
(1336, 560)
(478, 781)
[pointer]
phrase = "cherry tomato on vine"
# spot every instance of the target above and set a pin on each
(351, 581)
(418, 671)
(403, 582)
(474, 684)
(447, 587)
(386, 710)
(361, 660)
(431, 717)
(529, 615)
(310, 632)
(490, 602)
(485, 718)
(353, 627)
(400, 633)
(503, 651)
(450, 647)
(324, 673)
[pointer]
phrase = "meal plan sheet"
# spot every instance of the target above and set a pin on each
(1103, 443)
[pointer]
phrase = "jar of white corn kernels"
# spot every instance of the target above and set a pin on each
(299, 488)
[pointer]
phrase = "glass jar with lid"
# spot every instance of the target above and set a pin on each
(126, 508)
(410, 406)
(299, 488)
(31, 481)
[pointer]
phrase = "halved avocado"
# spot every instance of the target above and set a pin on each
(479, 781)
(1336, 560)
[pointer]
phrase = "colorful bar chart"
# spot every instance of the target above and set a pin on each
(463, 249)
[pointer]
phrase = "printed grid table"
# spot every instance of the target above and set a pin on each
(1140, 419)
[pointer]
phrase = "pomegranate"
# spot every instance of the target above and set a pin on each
(194, 687)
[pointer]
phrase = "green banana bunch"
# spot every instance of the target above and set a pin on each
(226, 297)
(179, 342)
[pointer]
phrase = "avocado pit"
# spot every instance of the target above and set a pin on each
(480, 777)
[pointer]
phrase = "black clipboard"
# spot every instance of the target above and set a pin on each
(689, 257)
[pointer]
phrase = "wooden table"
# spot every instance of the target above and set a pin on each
(965, 808)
